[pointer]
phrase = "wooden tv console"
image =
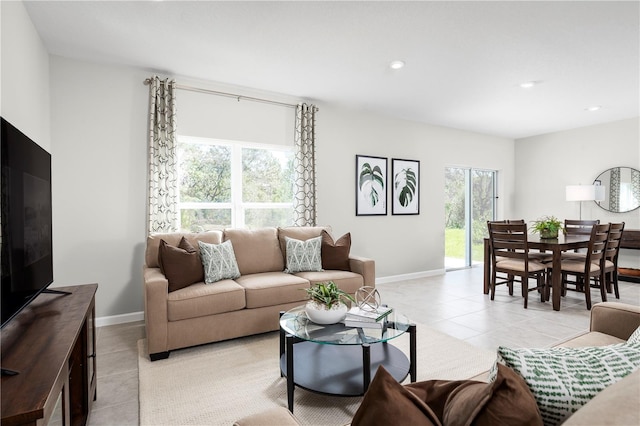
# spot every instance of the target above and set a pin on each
(51, 344)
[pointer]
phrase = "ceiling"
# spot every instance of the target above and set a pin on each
(465, 61)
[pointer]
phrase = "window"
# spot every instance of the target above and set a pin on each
(233, 184)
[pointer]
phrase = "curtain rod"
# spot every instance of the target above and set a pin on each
(147, 81)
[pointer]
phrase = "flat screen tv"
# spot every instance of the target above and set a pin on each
(26, 238)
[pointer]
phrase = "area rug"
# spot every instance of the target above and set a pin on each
(219, 383)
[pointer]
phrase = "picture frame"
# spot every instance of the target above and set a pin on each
(371, 185)
(405, 187)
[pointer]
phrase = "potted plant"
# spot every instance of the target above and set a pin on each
(326, 303)
(547, 226)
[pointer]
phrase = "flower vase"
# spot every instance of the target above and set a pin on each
(319, 313)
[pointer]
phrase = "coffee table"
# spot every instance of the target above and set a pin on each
(338, 360)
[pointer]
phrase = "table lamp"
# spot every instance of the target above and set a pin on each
(584, 193)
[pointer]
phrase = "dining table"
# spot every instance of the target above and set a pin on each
(554, 245)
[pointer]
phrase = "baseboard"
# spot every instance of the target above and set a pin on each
(411, 276)
(119, 319)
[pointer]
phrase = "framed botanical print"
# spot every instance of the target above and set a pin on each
(371, 185)
(406, 186)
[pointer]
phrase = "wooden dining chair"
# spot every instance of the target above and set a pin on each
(591, 268)
(510, 257)
(611, 258)
(577, 227)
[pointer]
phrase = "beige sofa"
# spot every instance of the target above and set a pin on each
(616, 405)
(204, 313)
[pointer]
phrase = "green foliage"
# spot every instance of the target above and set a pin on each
(371, 182)
(405, 179)
(327, 294)
(547, 223)
(205, 173)
(266, 178)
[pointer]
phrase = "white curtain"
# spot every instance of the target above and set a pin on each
(304, 200)
(163, 176)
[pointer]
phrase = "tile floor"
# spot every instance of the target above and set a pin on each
(452, 303)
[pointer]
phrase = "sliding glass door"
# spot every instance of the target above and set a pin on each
(470, 196)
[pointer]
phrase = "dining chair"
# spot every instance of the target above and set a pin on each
(510, 256)
(592, 267)
(577, 227)
(611, 257)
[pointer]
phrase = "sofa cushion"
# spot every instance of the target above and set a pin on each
(173, 238)
(201, 299)
(335, 254)
(616, 405)
(181, 265)
(256, 250)
(593, 338)
(302, 233)
(272, 288)
(345, 280)
(219, 262)
(303, 256)
(564, 379)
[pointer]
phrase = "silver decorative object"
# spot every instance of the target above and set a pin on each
(368, 298)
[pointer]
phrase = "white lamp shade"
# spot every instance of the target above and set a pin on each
(585, 193)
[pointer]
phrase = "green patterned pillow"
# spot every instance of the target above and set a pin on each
(635, 337)
(562, 380)
(219, 261)
(303, 256)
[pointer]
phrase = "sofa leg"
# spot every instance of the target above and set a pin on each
(159, 355)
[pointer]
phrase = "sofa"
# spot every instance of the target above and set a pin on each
(198, 313)
(617, 404)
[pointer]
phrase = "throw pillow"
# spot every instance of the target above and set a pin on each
(507, 401)
(387, 402)
(564, 379)
(303, 256)
(181, 265)
(219, 261)
(635, 337)
(335, 255)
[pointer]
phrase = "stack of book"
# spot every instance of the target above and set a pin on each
(358, 317)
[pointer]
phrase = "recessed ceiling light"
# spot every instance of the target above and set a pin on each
(593, 108)
(396, 65)
(529, 84)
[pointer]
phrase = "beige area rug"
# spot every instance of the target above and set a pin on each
(219, 383)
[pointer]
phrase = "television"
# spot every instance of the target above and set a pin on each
(26, 221)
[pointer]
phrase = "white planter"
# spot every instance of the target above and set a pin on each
(320, 315)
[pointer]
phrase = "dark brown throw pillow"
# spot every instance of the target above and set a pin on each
(181, 265)
(335, 255)
(387, 402)
(506, 401)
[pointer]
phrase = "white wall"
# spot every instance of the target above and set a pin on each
(546, 164)
(24, 99)
(400, 244)
(99, 139)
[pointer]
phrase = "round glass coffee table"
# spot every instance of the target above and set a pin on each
(339, 360)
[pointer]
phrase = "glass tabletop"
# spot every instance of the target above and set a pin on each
(296, 323)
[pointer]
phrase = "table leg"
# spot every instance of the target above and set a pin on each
(290, 384)
(281, 343)
(412, 353)
(487, 266)
(556, 278)
(366, 366)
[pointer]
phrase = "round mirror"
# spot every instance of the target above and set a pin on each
(621, 189)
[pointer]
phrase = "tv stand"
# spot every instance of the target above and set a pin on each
(51, 342)
(52, 291)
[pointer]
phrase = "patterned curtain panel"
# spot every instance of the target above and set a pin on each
(304, 197)
(635, 184)
(614, 190)
(163, 176)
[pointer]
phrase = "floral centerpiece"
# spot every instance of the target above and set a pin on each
(547, 226)
(326, 303)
